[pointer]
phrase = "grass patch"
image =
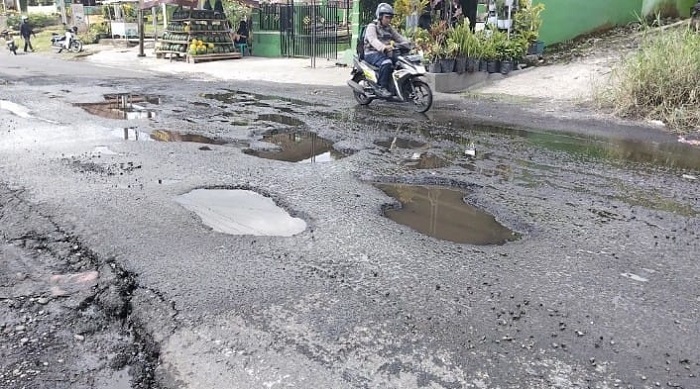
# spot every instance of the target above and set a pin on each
(42, 41)
(660, 81)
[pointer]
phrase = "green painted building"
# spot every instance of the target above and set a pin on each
(566, 19)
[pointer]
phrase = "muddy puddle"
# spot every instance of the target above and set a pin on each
(297, 146)
(281, 119)
(122, 106)
(401, 143)
(134, 134)
(241, 212)
(174, 136)
(442, 213)
(426, 161)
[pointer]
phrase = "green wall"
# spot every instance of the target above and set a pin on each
(267, 44)
(566, 19)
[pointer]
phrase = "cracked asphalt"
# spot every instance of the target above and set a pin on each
(600, 291)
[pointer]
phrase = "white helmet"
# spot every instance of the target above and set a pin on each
(384, 9)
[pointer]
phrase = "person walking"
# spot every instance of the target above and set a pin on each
(26, 31)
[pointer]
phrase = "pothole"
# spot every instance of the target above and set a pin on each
(241, 212)
(174, 136)
(255, 99)
(297, 146)
(122, 106)
(442, 213)
(426, 161)
(401, 143)
(281, 119)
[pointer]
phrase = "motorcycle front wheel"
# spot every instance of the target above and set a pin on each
(361, 98)
(421, 96)
(76, 46)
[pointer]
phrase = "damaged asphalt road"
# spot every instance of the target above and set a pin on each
(598, 286)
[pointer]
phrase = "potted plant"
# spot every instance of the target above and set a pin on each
(506, 55)
(528, 21)
(447, 62)
(459, 36)
(433, 56)
(498, 43)
(472, 52)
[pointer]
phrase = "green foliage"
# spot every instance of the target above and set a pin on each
(35, 20)
(404, 8)
(236, 11)
(528, 20)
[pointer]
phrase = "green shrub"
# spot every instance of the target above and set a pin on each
(660, 81)
(35, 20)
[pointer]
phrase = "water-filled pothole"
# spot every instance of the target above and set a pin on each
(255, 99)
(426, 161)
(241, 212)
(174, 136)
(298, 146)
(130, 133)
(442, 213)
(122, 106)
(281, 119)
(401, 143)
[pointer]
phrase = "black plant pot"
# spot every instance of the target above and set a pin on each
(472, 65)
(482, 65)
(434, 67)
(506, 66)
(461, 65)
(447, 65)
(492, 66)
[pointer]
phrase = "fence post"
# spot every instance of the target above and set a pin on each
(313, 34)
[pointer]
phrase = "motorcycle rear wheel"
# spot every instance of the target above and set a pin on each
(76, 46)
(361, 98)
(421, 96)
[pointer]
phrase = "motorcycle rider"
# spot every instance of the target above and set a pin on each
(378, 48)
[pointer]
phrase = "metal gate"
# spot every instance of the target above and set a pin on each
(312, 31)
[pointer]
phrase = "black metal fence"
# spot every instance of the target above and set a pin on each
(308, 30)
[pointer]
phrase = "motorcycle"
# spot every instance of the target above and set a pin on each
(9, 41)
(406, 85)
(59, 41)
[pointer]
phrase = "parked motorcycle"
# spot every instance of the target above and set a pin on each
(406, 86)
(59, 41)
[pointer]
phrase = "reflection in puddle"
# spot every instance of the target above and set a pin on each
(123, 106)
(401, 143)
(281, 119)
(443, 214)
(299, 146)
(131, 133)
(673, 155)
(173, 136)
(241, 212)
(659, 151)
(426, 161)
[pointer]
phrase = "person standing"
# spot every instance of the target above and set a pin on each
(26, 31)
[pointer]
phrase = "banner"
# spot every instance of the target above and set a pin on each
(78, 18)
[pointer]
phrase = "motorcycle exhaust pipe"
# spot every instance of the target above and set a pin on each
(355, 86)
